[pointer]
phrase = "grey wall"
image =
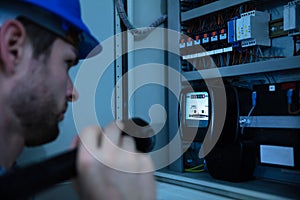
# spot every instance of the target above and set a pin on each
(149, 101)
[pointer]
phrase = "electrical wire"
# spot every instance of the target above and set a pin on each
(267, 77)
(247, 119)
(251, 55)
(293, 112)
(259, 54)
(137, 31)
(197, 168)
(268, 57)
(290, 101)
(228, 59)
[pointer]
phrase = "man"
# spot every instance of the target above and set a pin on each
(39, 42)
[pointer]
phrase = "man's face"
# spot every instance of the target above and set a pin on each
(40, 97)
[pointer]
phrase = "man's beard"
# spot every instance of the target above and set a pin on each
(38, 116)
(42, 130)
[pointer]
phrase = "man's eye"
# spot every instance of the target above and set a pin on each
(69, 63)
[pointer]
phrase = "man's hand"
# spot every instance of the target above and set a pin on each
(110, 168)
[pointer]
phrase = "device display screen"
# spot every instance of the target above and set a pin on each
(197, 109)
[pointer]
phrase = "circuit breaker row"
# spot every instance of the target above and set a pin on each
(233, 37)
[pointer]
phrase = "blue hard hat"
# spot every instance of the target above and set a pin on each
(68, 11)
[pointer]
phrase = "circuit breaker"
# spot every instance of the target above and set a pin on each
(253, 29)
(291, 18)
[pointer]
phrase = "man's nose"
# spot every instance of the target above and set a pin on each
(72, 94)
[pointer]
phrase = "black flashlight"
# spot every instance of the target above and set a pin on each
(27, 181)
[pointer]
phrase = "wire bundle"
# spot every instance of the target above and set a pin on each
(137, 31)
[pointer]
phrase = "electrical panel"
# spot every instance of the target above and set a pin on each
(241, 33)
(256, 47)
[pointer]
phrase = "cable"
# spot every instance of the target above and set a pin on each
(238, 112)
(289, 96)
(192, 161)
(295, 45)
(269, 80)
(293, 112)
(268, 57)
(259, 54)
(246, 121)
(137, 31)
(195, 168)
(179, 117)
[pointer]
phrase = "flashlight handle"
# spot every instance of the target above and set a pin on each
(27, 181)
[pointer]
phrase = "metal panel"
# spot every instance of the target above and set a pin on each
(209, 8)
(246, 69)
(292, 122)
(174, 62)
(256, 189)
(130, 63)
(146, 94)
(118, 69)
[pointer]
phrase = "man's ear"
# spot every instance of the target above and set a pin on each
(12, 39)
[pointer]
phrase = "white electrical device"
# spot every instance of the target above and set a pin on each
(291, 20)
(253, 29)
